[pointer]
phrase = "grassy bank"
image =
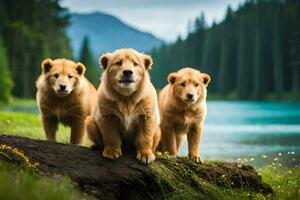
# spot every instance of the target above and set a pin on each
(21, 118)
(16, 183)
(27, 125)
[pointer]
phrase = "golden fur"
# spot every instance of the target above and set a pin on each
(183, 110)
(69, 106)
(127, 107)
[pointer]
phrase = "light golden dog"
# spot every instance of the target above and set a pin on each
(183, 110)
(64, 95)
(127, 106)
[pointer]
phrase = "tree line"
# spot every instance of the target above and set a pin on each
(252, 53)
(30, 31)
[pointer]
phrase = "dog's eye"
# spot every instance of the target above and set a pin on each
(196, 85)
(135, 63)
(56, 75)
(119, 63)
(182, 84)
(70, 76)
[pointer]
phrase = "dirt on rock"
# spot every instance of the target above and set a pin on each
(126, 178)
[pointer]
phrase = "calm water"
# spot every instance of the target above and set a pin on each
(251, 129)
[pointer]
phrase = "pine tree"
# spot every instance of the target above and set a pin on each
(3, 17)
(211, 55)
(32, 30)
(162, 66)
(259, 61)
(241, 54)
(294, 52)
(277, 55)
(6, 83)
(227, 71)
(92, 71)
(200, 25)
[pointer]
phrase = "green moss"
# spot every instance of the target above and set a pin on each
(176, 182)
(181, 182)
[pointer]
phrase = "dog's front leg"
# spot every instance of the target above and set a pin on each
(194, 138)
(144, 139)
(109, 128)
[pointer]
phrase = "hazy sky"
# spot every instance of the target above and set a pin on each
(165, 19)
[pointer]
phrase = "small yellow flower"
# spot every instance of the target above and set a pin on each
(20, 154)
(264, 156)
(159, 153)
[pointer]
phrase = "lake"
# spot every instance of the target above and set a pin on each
(259, 131)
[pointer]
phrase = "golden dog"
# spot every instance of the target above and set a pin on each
(183, 110)
(127, 106)
(64, 95)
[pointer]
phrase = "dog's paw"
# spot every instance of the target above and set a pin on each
(196, 159)
(112, 153)
(145, 156)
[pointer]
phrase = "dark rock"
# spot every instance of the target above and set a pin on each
(126, 178)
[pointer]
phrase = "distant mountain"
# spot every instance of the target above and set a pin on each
(107, 33)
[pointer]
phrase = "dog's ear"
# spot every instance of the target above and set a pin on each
(205, 78)
(104, 59)
(148, 62)
(80, 68)
(172, 78)
(46, 65)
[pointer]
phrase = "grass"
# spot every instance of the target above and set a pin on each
(16, 183)
(20, 105)
(21, 118)
(27, 125)
(284, 181)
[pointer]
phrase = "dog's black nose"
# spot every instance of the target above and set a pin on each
(190, 96)
(62, 87)
(127, 72)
